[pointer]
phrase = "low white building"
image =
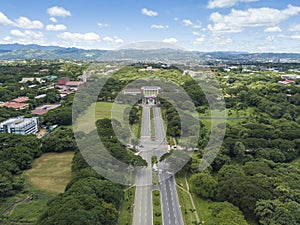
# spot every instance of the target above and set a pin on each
(20, 125)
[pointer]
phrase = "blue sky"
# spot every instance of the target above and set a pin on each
(204, 25)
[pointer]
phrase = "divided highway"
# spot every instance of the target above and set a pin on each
(143, 211)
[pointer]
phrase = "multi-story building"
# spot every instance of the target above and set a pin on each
(20, 125)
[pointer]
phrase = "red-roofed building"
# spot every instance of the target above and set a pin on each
(20, 99)
(284, 82)
(63, 80)
(74, 83)
(15, 105)
(39, 111)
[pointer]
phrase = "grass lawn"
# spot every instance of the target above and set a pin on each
(186, 207)
(157, 215)
(152, 124)
(51, 172)
(126, 212)
(30, 211)
(100, 110)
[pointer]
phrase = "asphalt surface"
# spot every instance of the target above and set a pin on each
(143, 209)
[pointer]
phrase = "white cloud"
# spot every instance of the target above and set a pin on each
(27, 34)
(199, 40)
(53, 19)
(273, 29)
(296, 37)
(56, 27)
(58, 11)
(148, 12)
(4, 20)
(7, 38)
(270, 38)
(25, 23)
(156, 26)
(218, 40)
(196, 33)
(170, 40)
(225, 3)
(175, 18)
(187, 22)
(102, 25)
(253, 17)
(79, 37)
(223, 28)
(295, 28)
(113, 40)
(198, 25)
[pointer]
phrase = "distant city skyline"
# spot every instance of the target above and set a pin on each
(207, 25)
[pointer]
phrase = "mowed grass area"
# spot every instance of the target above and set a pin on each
(30, 211)
(100, 110)
(126, 211)
(186, 207)
(51, 172)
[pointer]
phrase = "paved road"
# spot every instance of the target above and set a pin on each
(171, 212)
(143, 211)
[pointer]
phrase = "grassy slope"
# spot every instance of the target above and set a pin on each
(100, 110)
(51, 172)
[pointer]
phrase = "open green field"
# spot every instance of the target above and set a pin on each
(51, 172)
(186, 207)
(29, 211)
(100, 110)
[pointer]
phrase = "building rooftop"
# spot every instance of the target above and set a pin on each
(39, 111)
(15, 105)
(18, 121)
(74, 83)
(20, 99)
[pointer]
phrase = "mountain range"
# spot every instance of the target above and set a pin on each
(33, 51)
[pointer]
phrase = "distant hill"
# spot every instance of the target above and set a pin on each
(18, 51)
(32, 51)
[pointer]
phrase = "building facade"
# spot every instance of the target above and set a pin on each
(20, 125)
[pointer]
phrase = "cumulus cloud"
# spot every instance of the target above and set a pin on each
(157, 26)
(199, 40)
(170, 40)
(7, 38)
(79, 37)
(225, 3)
(4, 20)
(295, 28)
(270, 38)
(297, 37)
(187, 22)
(223, 28)
(113, 40)
(53, 19)
(102, 25)
(58, 11)
(253, 17)
(273, 29)
(196, 33)
(148, 12)
(25, 23)
(27, 34)
(56, 27)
